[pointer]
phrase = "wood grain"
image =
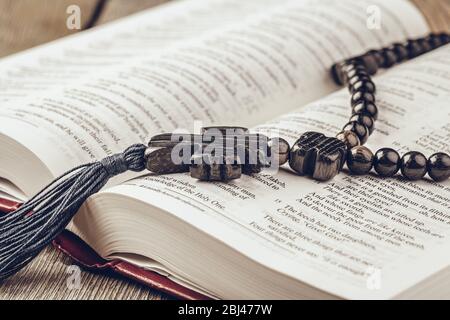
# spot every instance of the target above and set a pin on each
(118, 8)
(27, 23)
(50, 276)
(24, 24)
(437, 13)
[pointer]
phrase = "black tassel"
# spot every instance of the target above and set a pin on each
(29, 229)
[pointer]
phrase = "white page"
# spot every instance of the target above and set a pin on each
(79, 56)
(7, 188)
(268, 64)
(335, 235)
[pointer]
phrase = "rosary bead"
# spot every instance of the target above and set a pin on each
(215, 168)
(386, 162)
(338, 73)
(360, 160)
(360, 96)
(438, 166)
(434, 40)
(414, 49)
(365, 107)
(358, 72)
(363, 86)
(280, 149)
(158, 160)
(400, 51)
(445, 38)
(365, 119)
(359, 129)
(317, 156)
(425, 45)
(369, 62)
(354, 65)
(354, 80)
(390, 58)
(378, 56)
(350, 139)
(413, 165)
(347, 66)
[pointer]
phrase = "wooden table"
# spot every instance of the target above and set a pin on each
(24, 24)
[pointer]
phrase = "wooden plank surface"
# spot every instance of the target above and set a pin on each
(437, 13)
(53, 276)
(27, 23)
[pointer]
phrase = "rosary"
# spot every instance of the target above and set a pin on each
(225, 153)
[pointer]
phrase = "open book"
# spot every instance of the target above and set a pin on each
(257, 63)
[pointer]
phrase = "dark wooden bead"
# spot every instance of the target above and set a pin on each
(359, 129)
(317, 156)
(386, 162)
(390, 58)
(366, 107)
(256, 163)
(414, 49)
(354, 64)
(413, 165)
(350, 139)
(445, 38)
(159, 161)
(207, 167)
(438, 166)
(363, 86)
(434, 40)
(347, 66)
(378, 56)
(425, 45)
(360, 96)
(365, 119)
(354, 80)
(279, 150)
(369, 62)
(400, 51)
(338, 74)
(360, 160)
(357, 73)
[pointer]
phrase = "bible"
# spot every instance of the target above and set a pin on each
(258, 64)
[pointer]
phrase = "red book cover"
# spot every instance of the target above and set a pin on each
(85, 256)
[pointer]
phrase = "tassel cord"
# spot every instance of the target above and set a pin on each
(28, 206)
(8, 226)
(41, 236)
(21, 231)
(25, 232)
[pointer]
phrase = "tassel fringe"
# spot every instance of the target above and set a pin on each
(29, 229)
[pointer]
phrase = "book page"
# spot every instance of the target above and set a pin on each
(243, 74)
(355, 236)
(79, 56)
